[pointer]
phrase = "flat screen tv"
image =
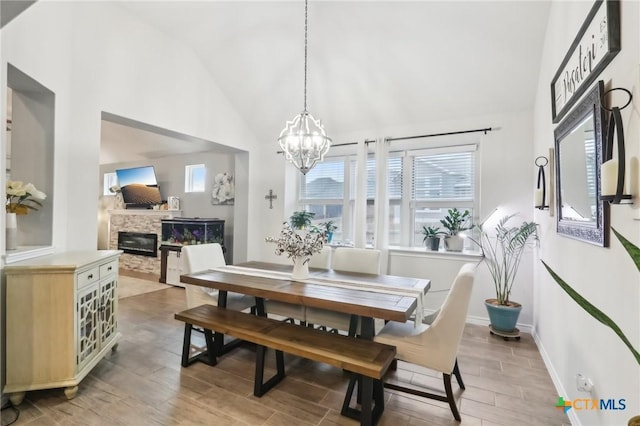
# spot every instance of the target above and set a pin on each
(139, 187)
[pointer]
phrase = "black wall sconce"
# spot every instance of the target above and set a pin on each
(612, 171)
(540, 194)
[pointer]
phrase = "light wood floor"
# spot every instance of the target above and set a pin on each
(142, 383)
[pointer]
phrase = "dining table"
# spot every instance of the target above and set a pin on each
(365, 297)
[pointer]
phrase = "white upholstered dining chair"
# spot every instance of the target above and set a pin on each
(435, 345)
(348, 259)
(200, 258)
(321, 260)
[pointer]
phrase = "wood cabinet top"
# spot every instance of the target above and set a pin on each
(63, 261)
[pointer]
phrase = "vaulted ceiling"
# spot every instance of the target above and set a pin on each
(371, 64)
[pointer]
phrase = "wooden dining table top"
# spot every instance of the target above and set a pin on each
(387, 306)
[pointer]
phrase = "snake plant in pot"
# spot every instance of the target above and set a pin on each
(502, 252)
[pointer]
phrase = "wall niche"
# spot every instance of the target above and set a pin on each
(29, 154)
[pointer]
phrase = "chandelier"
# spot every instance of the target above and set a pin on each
(303, 139)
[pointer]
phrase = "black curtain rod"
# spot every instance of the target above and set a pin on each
(459, 132)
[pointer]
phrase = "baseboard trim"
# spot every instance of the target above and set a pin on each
(555, 378)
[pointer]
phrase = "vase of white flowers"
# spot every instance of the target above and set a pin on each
(299, 247)
(300, 268)
(11, 240)
(20, 199)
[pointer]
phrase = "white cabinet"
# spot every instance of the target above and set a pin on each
(174, 268)
(62, 319)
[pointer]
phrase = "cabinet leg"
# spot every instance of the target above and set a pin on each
(17, 398)
(71, 392)
(114, 347)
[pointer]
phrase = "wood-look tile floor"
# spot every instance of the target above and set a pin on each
(142, 383)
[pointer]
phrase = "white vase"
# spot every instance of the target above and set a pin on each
(300, 268)
(11, 241)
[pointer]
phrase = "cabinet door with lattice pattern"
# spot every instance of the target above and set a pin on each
(109, 309)
(88, 326)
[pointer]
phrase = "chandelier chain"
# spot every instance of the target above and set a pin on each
(305, 52)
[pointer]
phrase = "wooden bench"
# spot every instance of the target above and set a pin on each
(368, 360)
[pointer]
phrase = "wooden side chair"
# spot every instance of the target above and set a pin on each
(435, 345)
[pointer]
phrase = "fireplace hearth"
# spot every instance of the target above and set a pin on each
(138, 243)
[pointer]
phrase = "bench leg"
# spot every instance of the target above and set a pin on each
(259, 386)
(372, 393)
(208, 356)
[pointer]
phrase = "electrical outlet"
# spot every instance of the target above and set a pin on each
(583, 384)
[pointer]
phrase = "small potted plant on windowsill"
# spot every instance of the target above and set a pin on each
(432, 237)
(301, 220)
(455, 221)
(328, 228)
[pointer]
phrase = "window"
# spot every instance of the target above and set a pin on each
(441, 179)
(323, 191)
(194, 178)
(422, 185)
(109, 180)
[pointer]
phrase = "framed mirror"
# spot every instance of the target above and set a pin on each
(578, 144)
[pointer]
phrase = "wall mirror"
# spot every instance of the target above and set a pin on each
(578, 143)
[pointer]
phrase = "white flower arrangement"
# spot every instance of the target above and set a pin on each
(21, 198)
(296, 245)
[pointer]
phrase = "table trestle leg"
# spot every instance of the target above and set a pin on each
(207, 356)
(260, 387)
(372, 405)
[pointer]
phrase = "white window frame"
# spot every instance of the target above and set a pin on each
(189, 178)
(108, 181)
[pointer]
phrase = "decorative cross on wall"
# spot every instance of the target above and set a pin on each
(270, 197)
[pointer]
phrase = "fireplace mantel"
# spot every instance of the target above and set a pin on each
(146, 212)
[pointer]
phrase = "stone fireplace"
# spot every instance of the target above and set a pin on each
(138, 222)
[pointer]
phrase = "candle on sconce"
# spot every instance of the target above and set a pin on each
(609, 178)
(537, 198)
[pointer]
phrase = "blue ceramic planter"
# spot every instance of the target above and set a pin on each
(503, 318)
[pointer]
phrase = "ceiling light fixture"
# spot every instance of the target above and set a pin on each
(303, 139)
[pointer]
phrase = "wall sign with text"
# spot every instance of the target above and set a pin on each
(597, 42)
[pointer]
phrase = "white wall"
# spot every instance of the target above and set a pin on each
(572, 341)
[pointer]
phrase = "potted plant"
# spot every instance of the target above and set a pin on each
(455, 221)
(432, 237)
(328, 228)
(301, 219)
(502, 253)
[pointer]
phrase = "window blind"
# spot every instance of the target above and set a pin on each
(443, 176)
(324, 181)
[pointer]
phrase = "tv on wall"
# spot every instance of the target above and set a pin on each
(139, 187)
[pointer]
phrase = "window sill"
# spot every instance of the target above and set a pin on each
(422, 251)
(26, 252)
